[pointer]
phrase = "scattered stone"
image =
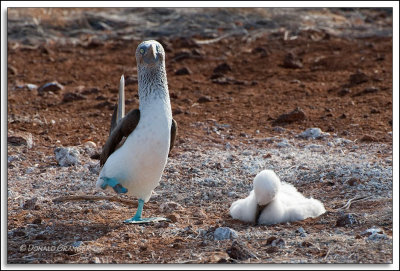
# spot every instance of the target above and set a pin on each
(260, 50)
(239, 251)
(371, 231)
(225, 80)
(275, 241)
(344, 92)
(52, 86)
(130, 80)
(284, 144)
(177, 111)
(170, 206)
(367, 91)
(353, 182)
(218, 79)
(105, 104)
(67, 156)
(279, 129)
(204, 99)
(90, 148)
(368, 138)
(358, 78)
(30, 204)
(219, 257)
(27, 87)
(12, 158)
(306, 244)
(314, 146)
(292, 61)
(173, 217)
(375, 111)
(295, 115)
(72, 96)
(183, 71)
(346, 220)
(224, 233)
(21, 139)
(374, 234)
(300, 230)
(222, 68)
(271, 249)
(93, 90)
(313, 133)
(377, 236)
(37, 221)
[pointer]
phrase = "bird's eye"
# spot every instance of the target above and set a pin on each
(141, 51)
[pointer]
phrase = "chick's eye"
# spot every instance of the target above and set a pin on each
(141, 51)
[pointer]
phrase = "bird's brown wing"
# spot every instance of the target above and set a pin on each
(123, 128)
(174, 131)
(114, 119)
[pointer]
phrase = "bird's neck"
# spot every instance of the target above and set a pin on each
(153, 85)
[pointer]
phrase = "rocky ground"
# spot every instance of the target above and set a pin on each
(244, 85)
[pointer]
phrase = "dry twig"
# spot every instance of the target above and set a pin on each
(86, 197)
(352, 200)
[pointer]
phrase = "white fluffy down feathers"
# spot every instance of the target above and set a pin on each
(283, 202)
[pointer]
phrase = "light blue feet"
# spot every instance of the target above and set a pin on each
(137, 219)
(118, 188)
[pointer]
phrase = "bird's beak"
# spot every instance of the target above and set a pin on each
(153, 51)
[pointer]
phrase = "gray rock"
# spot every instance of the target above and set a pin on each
(300, 230)
(294, 116)
(313, 133)
(239, 251)
(12, 158)
(283, 144)
(346, 219)
(31, 86)
(224, 233)
(21, 139)
(52, 86)
(67, 156)
(377, 236)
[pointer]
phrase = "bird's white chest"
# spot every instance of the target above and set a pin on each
(139, 163)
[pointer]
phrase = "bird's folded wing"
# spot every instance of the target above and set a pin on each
(123, 128)
(114, 119)
(174, 131)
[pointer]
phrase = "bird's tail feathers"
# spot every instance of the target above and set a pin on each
(119, 109)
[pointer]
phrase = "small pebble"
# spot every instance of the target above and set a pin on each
(224, 233)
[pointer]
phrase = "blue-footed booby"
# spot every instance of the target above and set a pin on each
(135, 166)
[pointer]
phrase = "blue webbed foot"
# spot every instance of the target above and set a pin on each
(144, 220)
(137, 219)
(118, 188)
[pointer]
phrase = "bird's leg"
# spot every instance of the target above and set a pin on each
(137, 218)
(118, 188)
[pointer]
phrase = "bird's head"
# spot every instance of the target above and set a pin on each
(150, 53)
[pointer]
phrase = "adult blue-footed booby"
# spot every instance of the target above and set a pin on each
(135, 168)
